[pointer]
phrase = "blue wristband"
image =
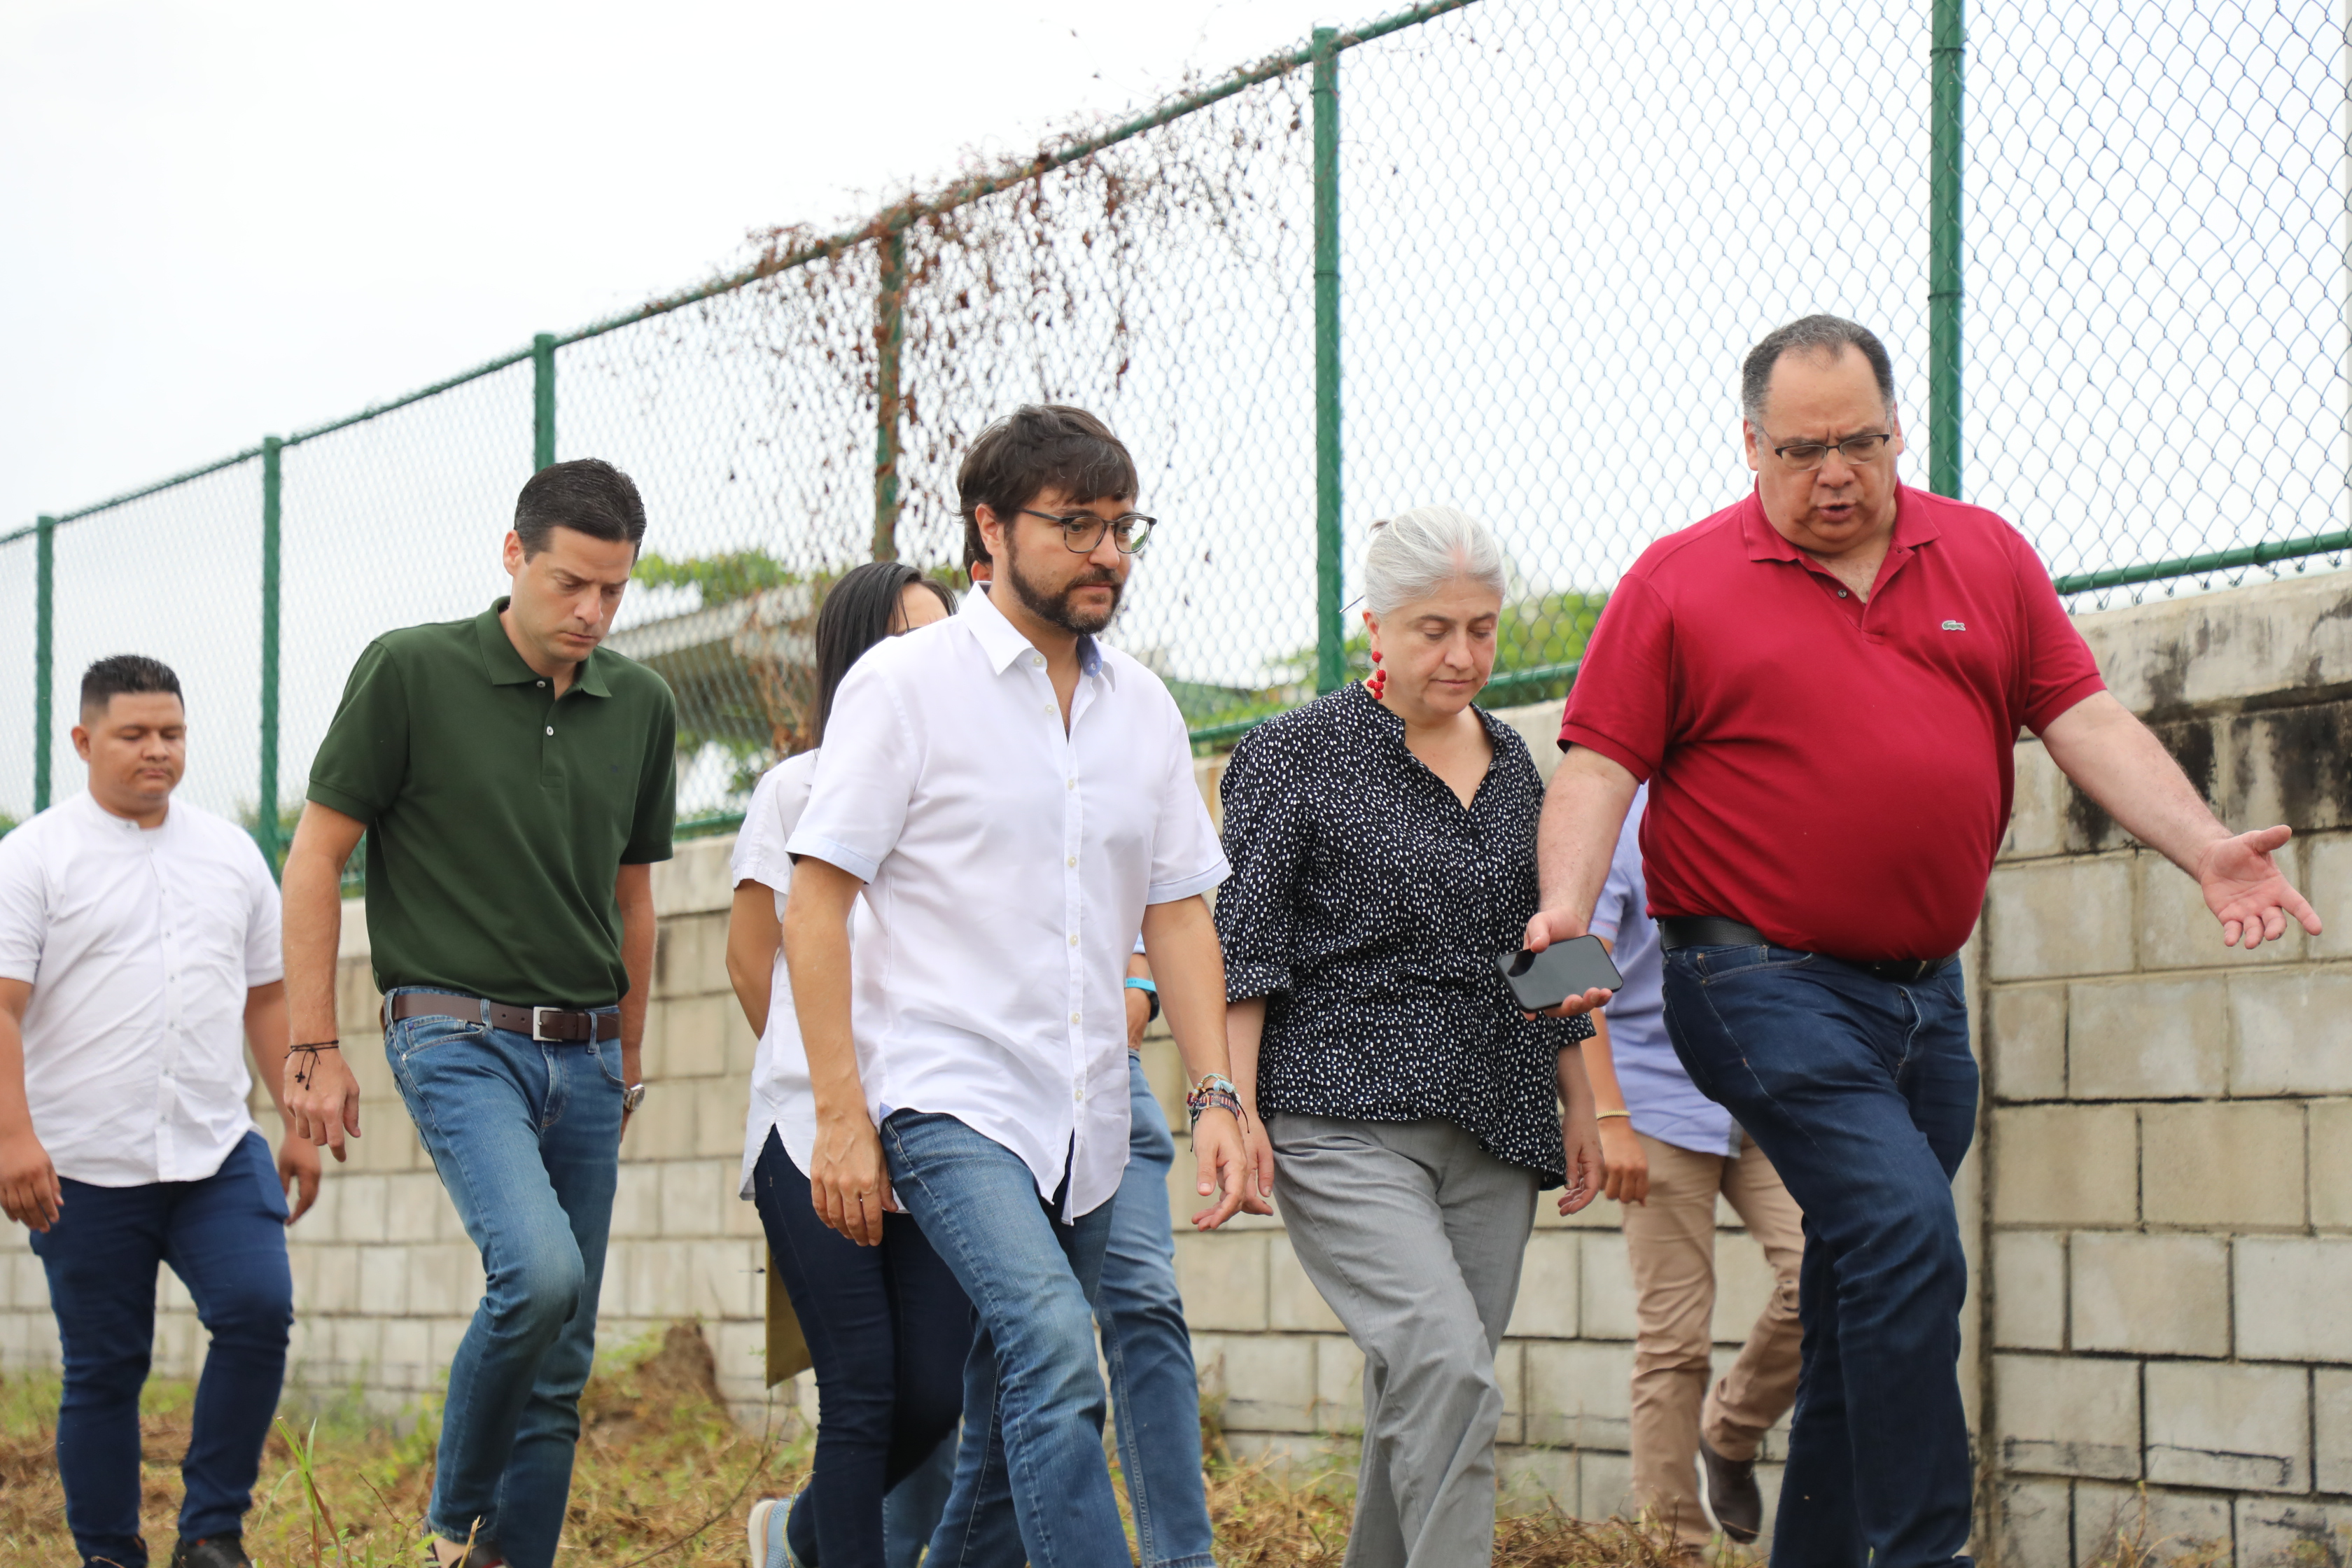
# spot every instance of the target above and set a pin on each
(1151, 992)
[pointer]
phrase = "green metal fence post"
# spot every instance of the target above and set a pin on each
(45, 624)
(1945, 154)
(1329, 670)
(264, 810)
(889, 335)
(543, 401)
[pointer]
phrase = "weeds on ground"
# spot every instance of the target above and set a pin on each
(664, 1477)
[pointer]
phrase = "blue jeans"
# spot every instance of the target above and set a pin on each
(527, 1137)
(1863, 1094)
(912, 1510)
(1030, 1477)
(225, 1237)
(1154, 1388)
(888, 1329)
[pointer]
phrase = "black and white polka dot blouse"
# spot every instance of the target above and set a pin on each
(1366, 905)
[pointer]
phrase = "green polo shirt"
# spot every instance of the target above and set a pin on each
(499, 815)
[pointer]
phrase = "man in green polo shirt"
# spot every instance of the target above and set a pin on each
(515, 782)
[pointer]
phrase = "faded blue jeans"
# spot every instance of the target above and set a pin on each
(225, 1237)
(527, 1137)
(1863, 1094)
(1031, 1483)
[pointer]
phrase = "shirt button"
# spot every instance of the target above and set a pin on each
(1073, 941)
(542, 683)
(551, 729)
(1074, 1017)
(1842, 592)
(1077, 1095)
(1073, 783)
(1074, 860)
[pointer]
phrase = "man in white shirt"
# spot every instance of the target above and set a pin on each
(1015, 799)
(138, 942)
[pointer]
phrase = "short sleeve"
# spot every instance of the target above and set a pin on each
(24, 907)
(2059, 669)
(657, 814)
(1267, 838)
(363, 761)
(866, 775)
(265, 954)
(759, 853)
(1186, 859)
(1622, 705)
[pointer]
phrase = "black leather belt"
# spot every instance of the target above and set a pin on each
(1714, 931)
(569, 1026)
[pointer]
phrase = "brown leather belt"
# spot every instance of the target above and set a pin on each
(1715, 930)
(570, 1026)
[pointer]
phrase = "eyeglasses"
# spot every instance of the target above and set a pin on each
(1082, 532)
(1855, 450)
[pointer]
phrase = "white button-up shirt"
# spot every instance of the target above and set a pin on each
(1008, 865)
(140, 946)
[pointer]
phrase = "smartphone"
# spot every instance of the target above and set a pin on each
(1542, 981)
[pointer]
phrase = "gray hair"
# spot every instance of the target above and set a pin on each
(1416, 554)
(1832, 335)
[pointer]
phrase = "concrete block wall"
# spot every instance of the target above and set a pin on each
(2167, 1288)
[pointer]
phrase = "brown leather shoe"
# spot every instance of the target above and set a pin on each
(1732, 1494)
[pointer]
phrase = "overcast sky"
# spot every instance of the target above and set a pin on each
(228, 221)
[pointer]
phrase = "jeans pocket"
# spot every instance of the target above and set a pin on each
(608, 1061)
(1719, 964)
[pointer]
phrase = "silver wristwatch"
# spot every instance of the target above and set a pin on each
(632, 1097)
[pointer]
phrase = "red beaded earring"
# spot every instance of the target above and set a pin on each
(1379, 677)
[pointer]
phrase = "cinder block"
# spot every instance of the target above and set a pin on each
(2146, 1039)
(2286, 765)
(2330, 1153)
(719, 1107)
(407, 1356)
(1538, 1480)
(2035, 1519)
(2156, 1295)
(1270, 1382)
(2066, 1164)
(1509, 1376)
(2291, 1292)
(663, 1128)
(2068, 1416)
(2052, 920)
(1609, 1298)
(1597, 1214)
(2029, 1291)
(1338, 1386)
(2149, 1524)
(1578, 1393)
(414, 1205)
(1546, 1307)
(2331, 1422)
(366, 1201)
(694, 1035)
(2326, 871)
(1293, 1304)
(2037, 817)
(2026, 1041)
(2235, 1164)
(383, 1280)
(1605, 1485)
(2273, 1530)
(2243, 1427)
(2292, 1032)
(1223, 1280)
(358, 1347)
(695, 880)
(444, 1280)
(692, 1193)
(637, 1197)
(726, 1279)
(334, 1281)
(2178, 932)
(691, 958)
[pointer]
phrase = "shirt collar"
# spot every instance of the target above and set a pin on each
(504, 667)
(105, 821)
(1914, 526)
(1001, 641)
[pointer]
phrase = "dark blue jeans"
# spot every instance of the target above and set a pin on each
(887, 1328)
(1863, 1094)
(225, 1237)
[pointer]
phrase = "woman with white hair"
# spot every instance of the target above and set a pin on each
(1383, 848)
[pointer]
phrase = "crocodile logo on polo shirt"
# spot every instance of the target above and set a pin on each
(1956, 625)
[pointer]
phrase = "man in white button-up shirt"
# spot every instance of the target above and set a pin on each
(1013, 799)
(139, 955)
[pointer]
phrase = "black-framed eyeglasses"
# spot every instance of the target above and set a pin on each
(1082, 532)
(1855, 450)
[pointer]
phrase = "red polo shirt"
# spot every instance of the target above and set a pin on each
(1837, 774)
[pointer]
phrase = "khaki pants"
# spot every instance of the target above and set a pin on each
(1671, 1240)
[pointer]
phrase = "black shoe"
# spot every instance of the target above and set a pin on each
(215, 1552)
(1732, 1495)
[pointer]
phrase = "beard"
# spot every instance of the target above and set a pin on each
(1055, 608)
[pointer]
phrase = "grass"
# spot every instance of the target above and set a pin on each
(664, 1477)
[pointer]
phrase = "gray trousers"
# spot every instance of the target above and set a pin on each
(1415, 1235)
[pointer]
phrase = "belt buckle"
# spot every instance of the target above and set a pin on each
(537, 1029)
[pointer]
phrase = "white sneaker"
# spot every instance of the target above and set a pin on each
(764, 1533)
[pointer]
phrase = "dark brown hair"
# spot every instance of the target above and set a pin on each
(126, 674)
(587, 494)
(1037, 445)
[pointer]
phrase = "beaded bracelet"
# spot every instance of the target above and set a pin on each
(1215, 1091)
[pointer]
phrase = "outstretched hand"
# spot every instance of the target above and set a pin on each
(2247, 891)
(1544, 927)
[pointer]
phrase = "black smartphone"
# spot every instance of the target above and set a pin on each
(1542, 981)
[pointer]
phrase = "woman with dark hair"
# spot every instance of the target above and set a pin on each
(887, 1326)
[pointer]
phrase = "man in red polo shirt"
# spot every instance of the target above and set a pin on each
(1823, 685)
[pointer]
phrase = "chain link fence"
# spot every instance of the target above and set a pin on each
(1503, 253)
